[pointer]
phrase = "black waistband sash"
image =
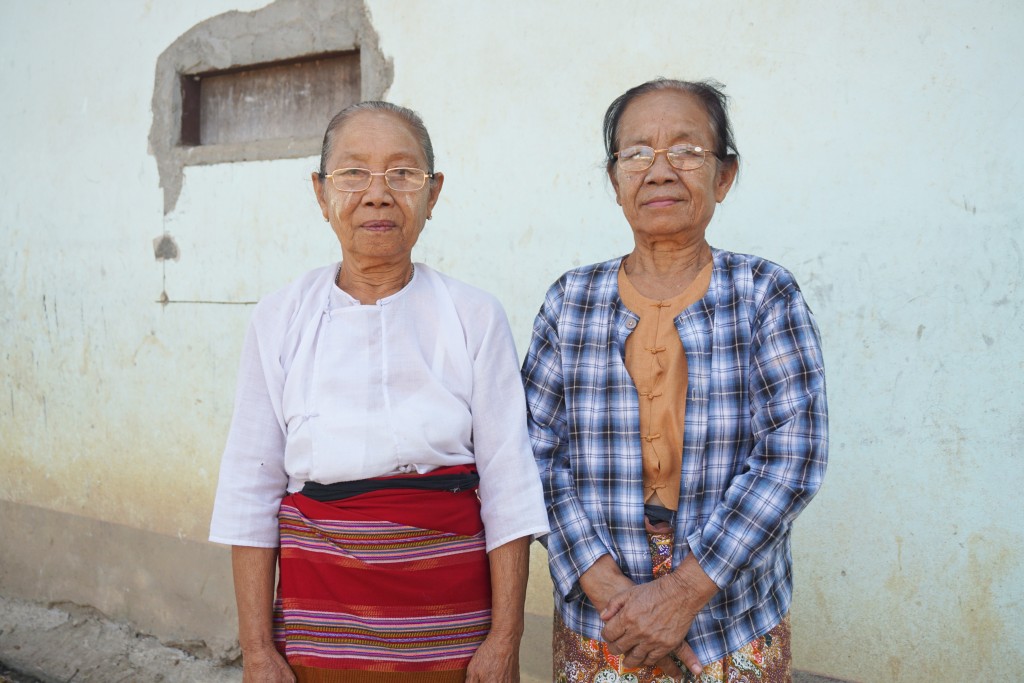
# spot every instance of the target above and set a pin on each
(455, 482)
(657, 513)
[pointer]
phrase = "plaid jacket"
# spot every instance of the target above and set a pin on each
(754, 452)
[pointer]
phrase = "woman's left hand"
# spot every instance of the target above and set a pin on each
(648, 622)
(495, 661)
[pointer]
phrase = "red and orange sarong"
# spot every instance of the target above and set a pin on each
(384, 586)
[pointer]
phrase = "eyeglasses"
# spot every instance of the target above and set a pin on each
(683, 157)
(398, 179)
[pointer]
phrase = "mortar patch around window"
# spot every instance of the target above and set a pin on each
(246, 86)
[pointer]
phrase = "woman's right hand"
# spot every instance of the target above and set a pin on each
(254, 570)
(603, 581)
(265, 665)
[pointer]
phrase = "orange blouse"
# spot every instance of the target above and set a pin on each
(656, 361)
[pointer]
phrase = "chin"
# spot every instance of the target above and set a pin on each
(669, 230)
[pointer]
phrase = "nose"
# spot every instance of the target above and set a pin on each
(661, 171)
(378, 193)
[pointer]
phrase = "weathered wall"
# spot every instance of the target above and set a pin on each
(881, 161)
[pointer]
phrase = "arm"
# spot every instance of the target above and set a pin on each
(512, 503)
(252, 482)
(786, 465)
(511, 498)
(497, 659)
(603, 581)
(254, 570)
(252, 477)
(573, 544)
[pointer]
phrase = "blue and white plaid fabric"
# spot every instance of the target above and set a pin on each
(754, 452)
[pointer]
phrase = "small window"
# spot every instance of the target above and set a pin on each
(274, 101)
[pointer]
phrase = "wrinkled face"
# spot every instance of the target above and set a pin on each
(377, 224)
(663, 202)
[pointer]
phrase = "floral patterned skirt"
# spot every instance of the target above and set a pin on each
(578, 659)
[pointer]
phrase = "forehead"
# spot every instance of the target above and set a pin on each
(663, 116)
(376, 135)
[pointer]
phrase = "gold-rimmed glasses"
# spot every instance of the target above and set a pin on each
(683, 157)
(399, 179)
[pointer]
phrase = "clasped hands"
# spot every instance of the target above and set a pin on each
(646, 622)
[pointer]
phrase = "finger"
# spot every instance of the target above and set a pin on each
(615, 648)
(634, 658)
(619, 623)
(471, 670)
(670, 668)
(613, 631)
(688, 657)
(617, 602)
(622, 644)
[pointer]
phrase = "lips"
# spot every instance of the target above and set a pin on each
(660, 202)
(378, 225)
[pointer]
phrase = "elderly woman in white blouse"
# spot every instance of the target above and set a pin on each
(378, 455)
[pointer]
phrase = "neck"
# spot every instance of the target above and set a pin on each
(661, 271)
(661, 259)
(370, 284)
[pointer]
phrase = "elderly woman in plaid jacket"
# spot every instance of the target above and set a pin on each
(678, 415)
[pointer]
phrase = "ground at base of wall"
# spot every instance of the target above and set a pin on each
(60, 643)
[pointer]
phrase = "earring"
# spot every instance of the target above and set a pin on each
(326, 219)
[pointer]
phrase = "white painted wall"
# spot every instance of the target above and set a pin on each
(882, 157)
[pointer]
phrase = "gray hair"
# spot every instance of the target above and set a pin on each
(411, 118)
(711, 97)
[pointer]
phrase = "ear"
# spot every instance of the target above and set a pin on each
(726, 175)
(435, 190)
(321, 199)
(615, 185)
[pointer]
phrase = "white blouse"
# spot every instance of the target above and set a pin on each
(332, 390)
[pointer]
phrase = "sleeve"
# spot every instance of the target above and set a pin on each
(573, 545)
(511, 500)
(789, 426)
(252, 475)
